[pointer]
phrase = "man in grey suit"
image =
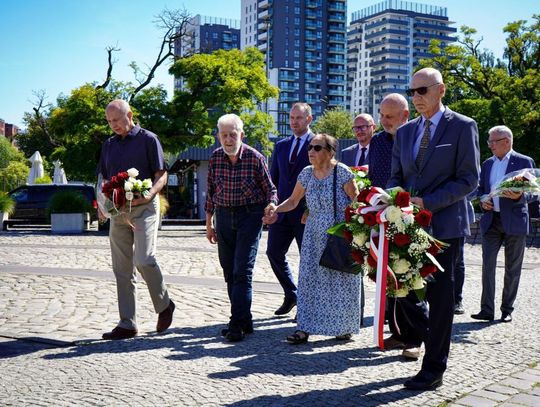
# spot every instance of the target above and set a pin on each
(436, 156)
(358, 154)
(505, 220)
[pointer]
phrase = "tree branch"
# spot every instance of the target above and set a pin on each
(108, 78)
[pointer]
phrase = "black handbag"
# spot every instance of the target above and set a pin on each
(337, 253)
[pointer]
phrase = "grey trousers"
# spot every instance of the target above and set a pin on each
(133, 238)
(514, 249)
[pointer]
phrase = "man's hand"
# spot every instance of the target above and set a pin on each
(487, 205)
(418, 201)
(512, 195)
(211, 235)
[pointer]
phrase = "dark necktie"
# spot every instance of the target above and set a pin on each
(294, 154)
(424, 143)
(362, 159)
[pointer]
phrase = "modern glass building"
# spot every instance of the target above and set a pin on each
(385, 43)
(304, 42)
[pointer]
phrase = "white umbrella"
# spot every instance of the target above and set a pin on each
(59, 176)
(37, 168)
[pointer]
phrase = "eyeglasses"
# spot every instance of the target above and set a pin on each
(362, 127)
(422, 90)
(316, 147)
(490, 142)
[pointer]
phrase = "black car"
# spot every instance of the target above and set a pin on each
(31, 202)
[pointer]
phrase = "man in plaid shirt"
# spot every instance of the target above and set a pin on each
(239, 188)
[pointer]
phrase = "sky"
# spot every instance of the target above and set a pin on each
(58, 45)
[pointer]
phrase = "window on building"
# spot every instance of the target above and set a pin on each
(297, 64)
(297, 10)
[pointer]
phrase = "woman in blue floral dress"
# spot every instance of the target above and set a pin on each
(328, 300)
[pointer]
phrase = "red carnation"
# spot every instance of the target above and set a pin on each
(348, 213)
(123, 175)
(370, 219)
(357, 256)
(423, 218)
(347, 236)
(427, 270)
(403, 199)
(362, 196)
(401, 239)
(372, 262)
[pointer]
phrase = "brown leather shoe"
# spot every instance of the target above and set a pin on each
(119, 333)
(165, 318)
(411, 352)
(392, 343)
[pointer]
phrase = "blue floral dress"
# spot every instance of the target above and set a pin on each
(328, 300)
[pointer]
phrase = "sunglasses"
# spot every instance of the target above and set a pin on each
(490, 142)
(316, 147)
(422, 90)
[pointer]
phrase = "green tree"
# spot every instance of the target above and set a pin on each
(13, 175)
(494, 91)
(337, 122)
(222, 82)
(8, 153)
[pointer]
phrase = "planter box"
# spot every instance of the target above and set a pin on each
(68, 222)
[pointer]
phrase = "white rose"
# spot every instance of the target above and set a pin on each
(129, 196)
(417, 282)
(359, 239)
(408, 218)
(393, 256)
(401, 266)
(128, 186)
(147, 183)
(133, 172)
(393, 214)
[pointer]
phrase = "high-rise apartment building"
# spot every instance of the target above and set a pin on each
(207, 34)
(385, 43)
(304, 42)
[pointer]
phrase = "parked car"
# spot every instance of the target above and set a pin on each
(31, 202)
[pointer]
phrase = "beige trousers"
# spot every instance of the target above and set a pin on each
(133, 238)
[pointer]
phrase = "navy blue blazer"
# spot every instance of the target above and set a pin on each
(514, 214)
(348, 155)
(449, 172)
(284, 175)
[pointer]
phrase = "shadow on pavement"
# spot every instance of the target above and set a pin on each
(11, 347)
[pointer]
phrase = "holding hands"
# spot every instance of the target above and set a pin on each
(270, 214)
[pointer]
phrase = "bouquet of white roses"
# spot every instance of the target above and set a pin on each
(524, 180)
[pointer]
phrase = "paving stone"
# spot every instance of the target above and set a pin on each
(491, 395)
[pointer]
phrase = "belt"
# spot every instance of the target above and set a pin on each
(241, 208)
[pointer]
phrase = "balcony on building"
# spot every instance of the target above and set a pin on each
(434, 36)
(265, 4)
(289, 87)
(312, 15)
(288, 75)
(403, 61)
(337, 49)
(311, 25)
(386, 31)
(337, 61)
(337, 17)
(312, 4)
(332, 27)
(435, 27)
(263, 36)
(420, 54)
(384, 22)
(389, 80)
(388, 51)
(263, 47)
(336, 38)
(337, 6)
(263, 26)
(386, 71)
(263, 15)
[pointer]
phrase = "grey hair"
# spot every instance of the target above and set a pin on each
(120, 105)
(502, 130)
(304, 107)
(231, 119)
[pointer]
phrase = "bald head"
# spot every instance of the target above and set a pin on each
(393, 112)
(427, 90)
(120, 117)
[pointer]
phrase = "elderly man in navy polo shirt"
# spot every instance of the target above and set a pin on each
(133, 235)
(239, 188)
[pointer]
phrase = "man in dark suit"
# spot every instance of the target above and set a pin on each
(437, 157)
(358, 154)
(505, 220)
(289, 158)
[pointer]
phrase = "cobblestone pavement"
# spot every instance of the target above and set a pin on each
(57, 295)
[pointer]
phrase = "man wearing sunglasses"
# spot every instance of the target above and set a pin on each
(436, 156)
(363, 128)
(288, 160)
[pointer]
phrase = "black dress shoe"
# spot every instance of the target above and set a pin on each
(246, 329)
(235, 336)
(119, 333)
(506, 317)
(165, 317)
(483, 316)
(424, 381)
(286, 307)
(458, 309)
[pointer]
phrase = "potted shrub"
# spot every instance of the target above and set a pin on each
(69, 211)
(7, 206)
